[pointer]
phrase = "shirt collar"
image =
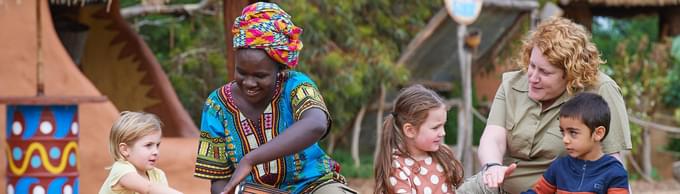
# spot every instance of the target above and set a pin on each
(522, 85)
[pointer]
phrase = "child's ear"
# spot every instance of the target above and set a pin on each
(124, 149)
(598, 134)
(409, 130)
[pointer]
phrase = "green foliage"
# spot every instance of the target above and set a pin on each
(672, 91)
(634, 175)
(638, 63)
(608, 33)
(672, 94)
(190, 51)
(350, 47)
(451, 125)
(347, 168)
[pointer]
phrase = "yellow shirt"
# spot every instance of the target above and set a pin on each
(533, 135)
(121, 168)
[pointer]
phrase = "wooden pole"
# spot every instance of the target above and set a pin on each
(355, 136)
(464, 152)
(379, 121)
(232, 9)
(40, 83)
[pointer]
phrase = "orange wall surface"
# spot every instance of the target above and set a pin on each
(18, 58)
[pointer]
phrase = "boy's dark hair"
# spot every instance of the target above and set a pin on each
(591, 109)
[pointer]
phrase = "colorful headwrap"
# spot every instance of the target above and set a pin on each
(266, 26)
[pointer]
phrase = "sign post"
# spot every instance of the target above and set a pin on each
(464, 12)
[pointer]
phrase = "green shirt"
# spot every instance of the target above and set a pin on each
(533, 136)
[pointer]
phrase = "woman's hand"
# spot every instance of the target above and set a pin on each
(242, 170)
(494, 175)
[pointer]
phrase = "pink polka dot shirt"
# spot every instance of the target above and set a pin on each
(418, 177)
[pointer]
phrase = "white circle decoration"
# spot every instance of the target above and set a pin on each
(416, 181)
(38, 190)
(434, 179)
(402, 176)
(10, 189)
(393, 181)
(444, 188)
(17, 128)
(408, 162)
(68, 189)
(396, 164)
(423, 171)
(440, 168)
(427, 190)
(46, 127)
(407, 171)
(74, 128)
(428, 160)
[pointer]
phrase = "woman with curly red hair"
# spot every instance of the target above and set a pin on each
(557, 60)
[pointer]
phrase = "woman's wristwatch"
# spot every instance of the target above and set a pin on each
(489, 165)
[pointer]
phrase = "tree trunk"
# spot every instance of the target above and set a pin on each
(646, 152)
(379, 121)
(356, 134)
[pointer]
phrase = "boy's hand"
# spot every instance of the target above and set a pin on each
(495, 175)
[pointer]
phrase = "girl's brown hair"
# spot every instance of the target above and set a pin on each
(411, 106)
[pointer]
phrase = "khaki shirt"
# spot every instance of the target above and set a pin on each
(533, 136)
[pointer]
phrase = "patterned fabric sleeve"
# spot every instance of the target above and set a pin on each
(306, 96)
(211, 161)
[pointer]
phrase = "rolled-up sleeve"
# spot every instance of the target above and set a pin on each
(211, 160)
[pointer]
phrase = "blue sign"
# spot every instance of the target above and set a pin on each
(464, 12)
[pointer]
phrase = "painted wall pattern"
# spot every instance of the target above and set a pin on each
(42, 149)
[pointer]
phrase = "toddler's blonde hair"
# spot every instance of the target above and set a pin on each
(130, 127)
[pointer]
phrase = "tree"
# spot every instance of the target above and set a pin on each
(639, 64)
(351, 48)
(189, 48)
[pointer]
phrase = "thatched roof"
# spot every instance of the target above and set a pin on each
(626, 3)
(432, 55)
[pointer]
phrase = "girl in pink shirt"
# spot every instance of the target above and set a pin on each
(413, 157)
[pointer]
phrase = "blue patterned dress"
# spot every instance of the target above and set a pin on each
(227, 135)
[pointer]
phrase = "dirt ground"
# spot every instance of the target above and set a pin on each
(639, 187)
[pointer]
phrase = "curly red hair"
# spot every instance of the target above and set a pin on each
(568, 46)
